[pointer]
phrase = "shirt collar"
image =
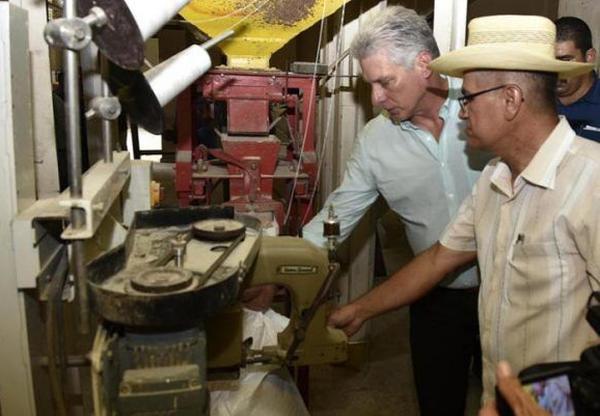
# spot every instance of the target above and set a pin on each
(541, 170)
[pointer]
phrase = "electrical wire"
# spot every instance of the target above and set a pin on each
(341, 56)
(325, 142)
(313, 92)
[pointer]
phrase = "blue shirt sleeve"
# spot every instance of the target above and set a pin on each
(357, 192)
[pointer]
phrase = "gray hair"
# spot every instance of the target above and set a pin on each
(399, 31)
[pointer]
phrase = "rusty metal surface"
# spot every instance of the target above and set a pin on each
(119, 39)
(250, 96)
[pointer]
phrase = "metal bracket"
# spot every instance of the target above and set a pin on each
(50, 270)
(105, 108)
(102, 183)
(74, 33)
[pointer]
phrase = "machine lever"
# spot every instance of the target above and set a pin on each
(222, 257)
(308, 314)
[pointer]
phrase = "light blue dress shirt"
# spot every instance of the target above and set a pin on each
(423, 180)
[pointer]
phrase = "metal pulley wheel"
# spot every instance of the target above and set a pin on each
(218, 229)
(161, 280)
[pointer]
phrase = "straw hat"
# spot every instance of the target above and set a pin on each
(509, 42)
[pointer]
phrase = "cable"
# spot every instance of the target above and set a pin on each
(321, 157)
(248, 15)
(256, 10)
(325, 142)
(329, 118)
(313, 92)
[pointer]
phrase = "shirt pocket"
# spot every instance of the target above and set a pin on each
(537, 270)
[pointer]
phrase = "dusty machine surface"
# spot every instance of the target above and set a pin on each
(264, 118)
(150, 299)
(167, 294)
(267, 24)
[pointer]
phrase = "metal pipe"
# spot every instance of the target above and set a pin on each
(72, 111)
(107, 137)
(55, 289)
(71, 361)
(135, 140)
(219, 38)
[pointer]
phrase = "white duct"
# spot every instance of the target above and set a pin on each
(151, 15)
(175, 74)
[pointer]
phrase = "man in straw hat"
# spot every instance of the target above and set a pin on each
(532, 219)
(413, 154)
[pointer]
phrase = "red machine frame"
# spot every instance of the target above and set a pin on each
(251, 153)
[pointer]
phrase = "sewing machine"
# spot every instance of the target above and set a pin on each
(172, 319)
(161, 295)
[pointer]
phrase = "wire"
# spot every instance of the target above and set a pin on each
(324, 141)
(313, 92)
(233, 13)
(341, 56)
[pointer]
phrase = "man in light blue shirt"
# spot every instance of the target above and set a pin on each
(414, 155)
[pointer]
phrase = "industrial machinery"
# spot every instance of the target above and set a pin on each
(171, 320)
(265, 117)
(162, 296)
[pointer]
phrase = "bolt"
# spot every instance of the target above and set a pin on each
(125, 389)
(79, 34)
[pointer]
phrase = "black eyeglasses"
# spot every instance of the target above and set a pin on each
(467, 98)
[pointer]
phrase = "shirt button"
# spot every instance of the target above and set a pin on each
(443, 165)
(451, 196)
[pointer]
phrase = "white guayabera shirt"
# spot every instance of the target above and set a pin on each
(538, 243)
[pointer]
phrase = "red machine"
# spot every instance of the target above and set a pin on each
(253, 108)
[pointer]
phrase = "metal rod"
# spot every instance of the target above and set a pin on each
(72, 361)
(72, 111)
(55, 289)
(219, 38)
(308, 314)
(107, 136)
(135, 139)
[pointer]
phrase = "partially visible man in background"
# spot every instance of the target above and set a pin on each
(579, 97)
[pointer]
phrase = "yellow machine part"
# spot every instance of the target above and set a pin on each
(266, 25)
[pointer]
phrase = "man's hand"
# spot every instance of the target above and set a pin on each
(521, 403)
(402, 288)
(347, 318)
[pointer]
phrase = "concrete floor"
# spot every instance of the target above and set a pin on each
(384, 384)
